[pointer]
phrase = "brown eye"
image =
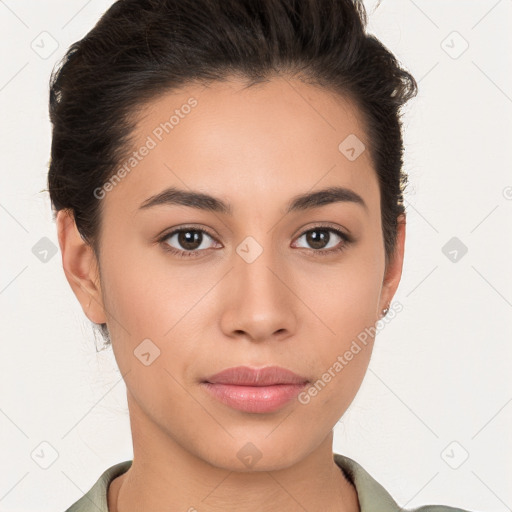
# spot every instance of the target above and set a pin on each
(186, 241)
(189, 240)
(317, 238)
(325, 240)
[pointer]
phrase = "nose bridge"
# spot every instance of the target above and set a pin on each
(261, 303)
(256, 265)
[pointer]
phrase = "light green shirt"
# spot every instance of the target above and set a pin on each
(372, 496)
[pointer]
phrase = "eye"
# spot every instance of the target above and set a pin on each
(190, 241)
(320, 237)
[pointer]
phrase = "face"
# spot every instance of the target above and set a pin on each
(255, 283)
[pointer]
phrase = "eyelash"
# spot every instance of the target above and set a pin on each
(347, 240)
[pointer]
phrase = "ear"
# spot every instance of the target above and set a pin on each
(80, 267)
(393, 272)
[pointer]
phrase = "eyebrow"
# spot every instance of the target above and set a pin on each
(301, 202)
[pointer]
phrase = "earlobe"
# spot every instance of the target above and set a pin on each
(80, 267)
(393, 271)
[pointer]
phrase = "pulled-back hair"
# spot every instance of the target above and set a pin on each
(140, 49)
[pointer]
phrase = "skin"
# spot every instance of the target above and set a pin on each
(255, 148)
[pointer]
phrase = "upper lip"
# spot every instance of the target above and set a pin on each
(247, 376)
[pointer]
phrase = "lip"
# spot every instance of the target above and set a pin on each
(256, 390)
(248, 376)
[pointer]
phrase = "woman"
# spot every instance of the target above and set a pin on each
(228, 187)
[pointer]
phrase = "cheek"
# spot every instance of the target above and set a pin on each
(144, 291)
(346, 302)
(341, 360)
(346, 296)
(147, 309)
(153, 307)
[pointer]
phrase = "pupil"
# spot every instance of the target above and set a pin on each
(318, 241)
(188, 241)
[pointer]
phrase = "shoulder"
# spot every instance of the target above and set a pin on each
(95, 499)
(372, 496)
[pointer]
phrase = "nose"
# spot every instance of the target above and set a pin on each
(260, 302)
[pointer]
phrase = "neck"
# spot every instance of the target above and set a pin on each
(165, 475)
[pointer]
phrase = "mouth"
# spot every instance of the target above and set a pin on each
(248, 376)
(255, 390)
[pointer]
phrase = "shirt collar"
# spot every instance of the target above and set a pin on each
(371, 495)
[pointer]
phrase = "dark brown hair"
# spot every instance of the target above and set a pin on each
(140, 49)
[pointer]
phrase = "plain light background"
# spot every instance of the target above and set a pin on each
(433, 417)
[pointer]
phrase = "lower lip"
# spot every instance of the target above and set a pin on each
(259, 399)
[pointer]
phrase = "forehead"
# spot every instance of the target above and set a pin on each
(247, 144)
